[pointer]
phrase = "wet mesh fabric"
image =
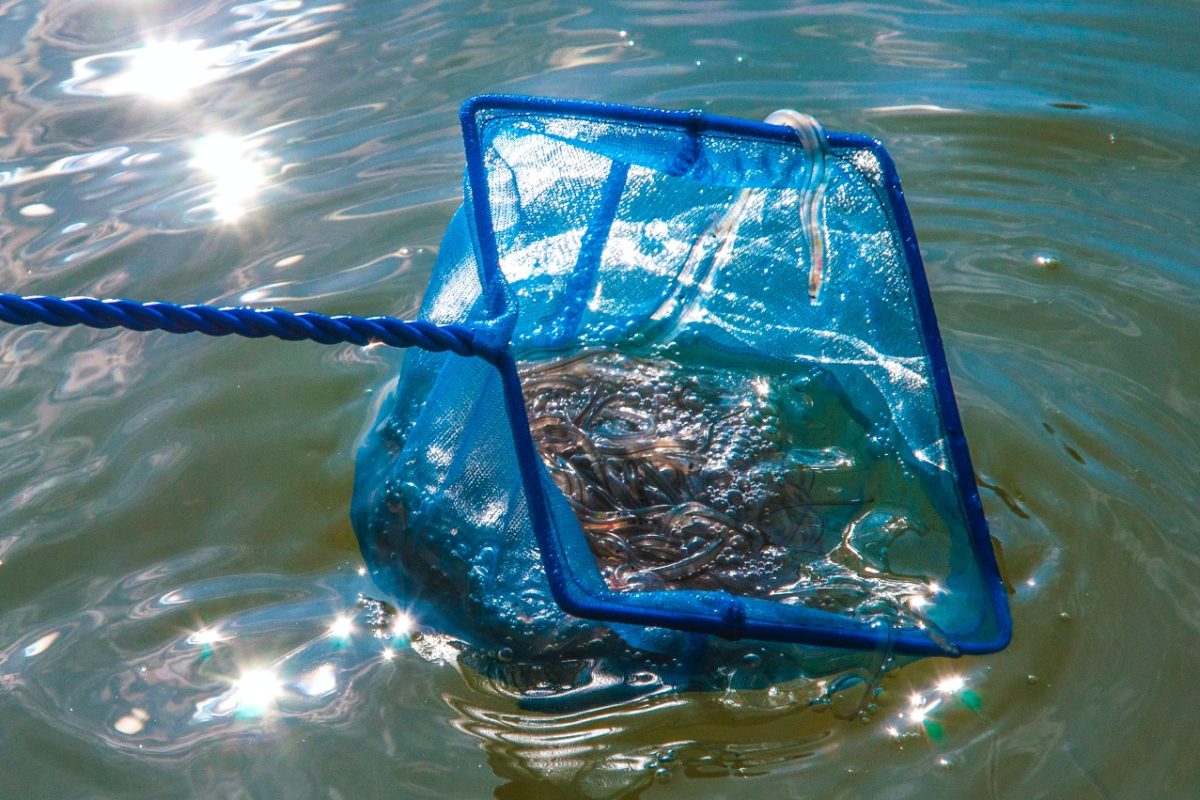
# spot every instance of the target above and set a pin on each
(725, 244)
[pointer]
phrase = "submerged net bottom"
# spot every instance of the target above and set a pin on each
(691, 478)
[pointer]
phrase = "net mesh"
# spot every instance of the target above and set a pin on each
(733, 383)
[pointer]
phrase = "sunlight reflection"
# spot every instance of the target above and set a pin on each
(930, 710)
(403, 625)
(256, 690)
(236, 171)
(952, 684)
(321, 681)
(165, 71)
(916, 602)
(918, 715)
(36, 210)
(254, 693)
(207, 636)
(41, 645)
(168, 71)
(342, 627)
(133, 722)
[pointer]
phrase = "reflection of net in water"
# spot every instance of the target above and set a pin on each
(696, 479)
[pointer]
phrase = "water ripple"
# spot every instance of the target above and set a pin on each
(175, 548)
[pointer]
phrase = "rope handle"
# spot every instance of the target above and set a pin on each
(255, 323)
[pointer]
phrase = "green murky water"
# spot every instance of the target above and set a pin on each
(177, 570)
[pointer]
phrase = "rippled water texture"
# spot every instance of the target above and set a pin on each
(178, 576)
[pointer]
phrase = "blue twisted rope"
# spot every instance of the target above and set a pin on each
(255, 323)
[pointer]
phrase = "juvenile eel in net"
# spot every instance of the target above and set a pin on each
(681, 479)
(673, 485)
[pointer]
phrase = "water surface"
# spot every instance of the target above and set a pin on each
(178, 576)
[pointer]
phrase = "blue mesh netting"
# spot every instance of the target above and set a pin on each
(775, 266)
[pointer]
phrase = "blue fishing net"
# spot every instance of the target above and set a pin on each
(710, 401)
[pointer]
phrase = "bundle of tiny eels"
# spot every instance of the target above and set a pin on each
(679, 479)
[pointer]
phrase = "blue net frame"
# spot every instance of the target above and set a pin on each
(470, 287)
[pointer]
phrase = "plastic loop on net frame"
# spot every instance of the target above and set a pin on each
(774, 256)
